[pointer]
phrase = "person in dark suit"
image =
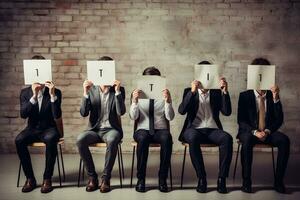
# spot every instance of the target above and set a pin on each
(259, 117)
(41, 105)
(152, 117)
(203, 125)
(105, 105)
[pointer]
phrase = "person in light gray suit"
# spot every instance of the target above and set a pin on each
(104, 104)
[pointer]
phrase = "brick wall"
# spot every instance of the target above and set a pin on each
(170, 34)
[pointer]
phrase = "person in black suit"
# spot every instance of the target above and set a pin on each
(41, 104)
(152, 120)
(202, 125)
(105, 105)
(259, 117)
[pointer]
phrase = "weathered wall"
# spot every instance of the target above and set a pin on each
(170, 34)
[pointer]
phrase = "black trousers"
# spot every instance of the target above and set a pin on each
(50, 137)
(143, 139)
(195, 137)
(276, 139)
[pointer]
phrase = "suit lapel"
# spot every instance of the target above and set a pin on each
(97, 99)
(253, 106)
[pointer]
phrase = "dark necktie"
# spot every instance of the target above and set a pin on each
(151, 117)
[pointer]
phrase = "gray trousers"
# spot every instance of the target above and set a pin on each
(111, 137)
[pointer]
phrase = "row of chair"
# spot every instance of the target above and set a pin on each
(59, 124)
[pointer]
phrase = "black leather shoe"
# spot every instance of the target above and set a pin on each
(221, 185)
(247, 186)
(279, 187)
(29, 185)
(202, 185)
(140, 185)
(162, 186)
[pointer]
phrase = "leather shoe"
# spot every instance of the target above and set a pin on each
(221, 185)
(162, 186)
(92, 184)
(30, 184)
(202, 185)
(140, 186)
(105, 186)
(46, 186)
(247, 186)
(279, 187)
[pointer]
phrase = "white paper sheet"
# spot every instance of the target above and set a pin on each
(101, 72)
(37, 71)
(208, 75)
(260, 77)
(152, 86)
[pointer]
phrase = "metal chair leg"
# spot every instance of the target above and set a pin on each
(171, 181)
(62, 164)
(19, 173)
(132, 165)
(122, 164)
(273, 162)
(79, 173)
(182, 169)
(82, 171)
(236, 160)
(58, 167)
(120, 170)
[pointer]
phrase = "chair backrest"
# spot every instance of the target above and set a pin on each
(60, 126)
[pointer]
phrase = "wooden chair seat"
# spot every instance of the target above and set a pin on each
(42, 144)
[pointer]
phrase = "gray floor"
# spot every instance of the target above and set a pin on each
(262, 179)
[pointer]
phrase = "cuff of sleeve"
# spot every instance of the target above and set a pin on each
(134, 104)
(33, 101)
(276, 101)
(117, 93)
(267, 131)
(254, 132)
(53, 99)
(86, 96)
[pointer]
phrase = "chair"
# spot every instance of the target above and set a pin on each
(134, 145)
(259, 145)
(120, 162)
(186, 145)
(59, 125)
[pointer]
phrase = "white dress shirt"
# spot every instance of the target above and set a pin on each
(162, 111)
(204, 117)
(40, 98)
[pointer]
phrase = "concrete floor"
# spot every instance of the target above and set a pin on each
(262, 179)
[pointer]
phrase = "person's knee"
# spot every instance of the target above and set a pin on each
(166, 139)
(19, 140)
(284, 141)
(113, 140)
(246, 140)
(80, 141)
(227, 139)
(51, 140)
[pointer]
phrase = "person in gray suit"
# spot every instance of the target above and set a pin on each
(104, 104)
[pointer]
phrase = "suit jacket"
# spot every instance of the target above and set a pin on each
(45, 118)
(248, 114)
(92, 106)
(219, 102)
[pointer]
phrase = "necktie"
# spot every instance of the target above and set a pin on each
(261, 113)
(151, 117)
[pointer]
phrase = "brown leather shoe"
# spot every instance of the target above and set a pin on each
(29, 185)
(105, 186)
(46, 186)
(92, 184)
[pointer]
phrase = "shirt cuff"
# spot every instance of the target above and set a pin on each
(32, 100)
(267, 131)
(53, 99)
(254, 132)
(86, 96)
(276, 101)
(117, 93)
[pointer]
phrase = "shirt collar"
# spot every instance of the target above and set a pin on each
(257, 95)
(107, 91)
(202, 93)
